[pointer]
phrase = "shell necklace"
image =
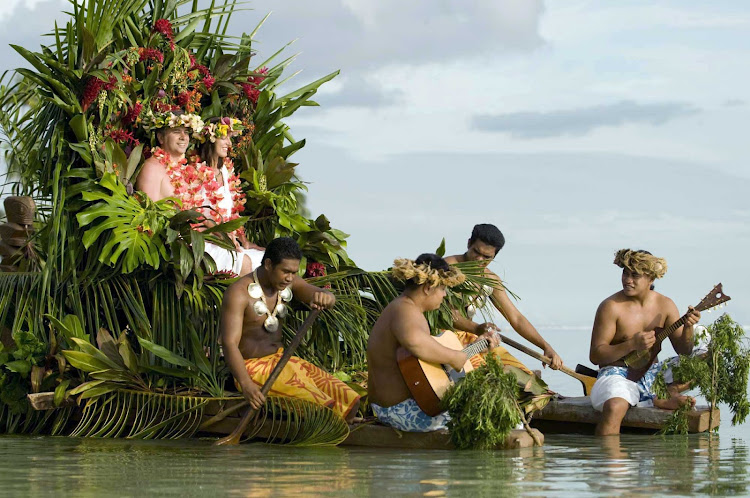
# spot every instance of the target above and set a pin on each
(271, 324)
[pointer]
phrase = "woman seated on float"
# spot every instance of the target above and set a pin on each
(208, 186)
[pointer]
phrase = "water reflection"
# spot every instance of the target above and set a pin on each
(587, 466)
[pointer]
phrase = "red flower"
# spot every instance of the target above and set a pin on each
(315, 269)
(164, 27)
(250, 92)
(209, 81)
(91, 92)
(201, 69)
(132, 115)
(150, 54)
(258, 79)
(122, 136)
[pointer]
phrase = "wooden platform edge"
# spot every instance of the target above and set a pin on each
(578, 410)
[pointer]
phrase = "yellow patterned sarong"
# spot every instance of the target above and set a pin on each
(301, 379)
(508, 359)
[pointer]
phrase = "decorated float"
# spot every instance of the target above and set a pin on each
(109, 304)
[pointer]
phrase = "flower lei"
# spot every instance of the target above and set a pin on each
(195, 185)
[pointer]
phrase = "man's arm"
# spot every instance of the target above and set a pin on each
(150, 178)
(519, 322)
(602, 351)
(315, 297)
(232, 313)
(413, 333)
(682, 338)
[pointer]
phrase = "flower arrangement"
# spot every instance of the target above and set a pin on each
(154, 121)
(221, 129)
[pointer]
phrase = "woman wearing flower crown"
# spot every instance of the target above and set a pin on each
(224, 198)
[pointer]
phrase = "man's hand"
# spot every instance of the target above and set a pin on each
(693, 317)
(487, 327)
(643, 340)
(491, 337)
(552, 355)
(252, 395)
(322, 300)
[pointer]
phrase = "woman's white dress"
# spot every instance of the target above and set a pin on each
(225, 259)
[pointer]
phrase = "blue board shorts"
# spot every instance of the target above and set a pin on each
(408, 417)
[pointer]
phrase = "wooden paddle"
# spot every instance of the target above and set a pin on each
(587, 381)
(234, 437)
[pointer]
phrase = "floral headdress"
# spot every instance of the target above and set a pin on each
(221, 129)
(408, 269)
(152, 122)
(641, 262)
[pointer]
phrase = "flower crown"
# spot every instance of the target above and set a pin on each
(152, 122)
(221, 129)
(407, 269)
(641, 262)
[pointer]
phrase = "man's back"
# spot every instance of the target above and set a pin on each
(385, 383)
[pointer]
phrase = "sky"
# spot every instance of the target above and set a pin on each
(577, 127)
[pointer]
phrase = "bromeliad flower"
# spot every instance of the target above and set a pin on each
(164, 27)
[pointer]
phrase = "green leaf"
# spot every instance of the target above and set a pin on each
(60, 392)
(441, 248)
(22, 367)
(164, 353)
(85, 362)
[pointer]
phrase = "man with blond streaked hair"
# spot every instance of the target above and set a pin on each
(624, 323)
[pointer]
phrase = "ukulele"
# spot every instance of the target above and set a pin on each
(427, 381)
(638, 362)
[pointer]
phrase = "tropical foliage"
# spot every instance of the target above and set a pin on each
(118, 305)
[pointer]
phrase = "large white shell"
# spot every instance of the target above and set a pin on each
(471, 310)
(271, 324)
(488, 289)
(286, 295)
(281, 310)
(260, 308)
(255, 290)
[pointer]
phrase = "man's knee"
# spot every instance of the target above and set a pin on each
(615, 407)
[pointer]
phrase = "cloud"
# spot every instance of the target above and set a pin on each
(359, 91)
(735, 103)
(581, 121)
(362, 34)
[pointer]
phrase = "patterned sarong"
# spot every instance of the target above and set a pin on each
(301, 379)
(507, 359)
(408, 417)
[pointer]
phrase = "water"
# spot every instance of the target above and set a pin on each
(587, 466)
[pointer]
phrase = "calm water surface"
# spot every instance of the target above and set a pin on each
(586, 466)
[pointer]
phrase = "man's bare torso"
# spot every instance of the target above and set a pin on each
(632, 317)
(256, 341)
(385, 383)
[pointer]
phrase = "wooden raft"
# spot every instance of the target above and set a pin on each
(576, 415)
(368, 434)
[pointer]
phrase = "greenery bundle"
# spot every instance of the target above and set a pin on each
(721, 376)
(483, 407)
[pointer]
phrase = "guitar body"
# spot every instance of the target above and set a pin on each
(638, 362)
(427, 382)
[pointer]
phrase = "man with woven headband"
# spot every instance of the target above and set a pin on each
(625, 322)
(251, 333)
(485, 242)
(403, 324)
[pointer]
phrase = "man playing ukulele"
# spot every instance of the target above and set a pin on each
(624, 323)
(403, 324)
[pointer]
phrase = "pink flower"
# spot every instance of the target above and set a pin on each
(164, 27)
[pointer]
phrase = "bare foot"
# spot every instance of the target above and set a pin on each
(675, 389)
(674, 402)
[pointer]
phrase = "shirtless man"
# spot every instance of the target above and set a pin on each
(174, 139)
(403, 324)
(624, 323)
(484, 244)
(252, 339)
